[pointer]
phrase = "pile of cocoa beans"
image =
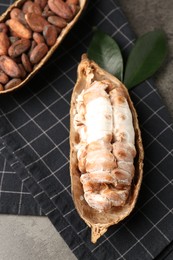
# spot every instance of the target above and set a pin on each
(28, 34)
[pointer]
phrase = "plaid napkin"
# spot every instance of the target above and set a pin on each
(34, 145)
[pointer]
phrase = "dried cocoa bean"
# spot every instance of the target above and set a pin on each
(27, 5)
(3, 28)
(38, 53)
(36, 22)
(3, 77)
(50, 34)
(60, 8)
(12, 83)
(17, 14)
(1, 87)
(34, 8)
(41, 3)
(38, 38)
(73, 2)
(19, 29)
(23, 71)
(13, 39)
(26, 62)
(19, 47)
(4, 43)
(57, 21)
(75, 9)
(10, 67)
(47, 12)
(33, 45)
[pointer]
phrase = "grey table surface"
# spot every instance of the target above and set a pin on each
(25, 237)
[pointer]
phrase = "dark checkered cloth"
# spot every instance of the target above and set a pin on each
(34, 145)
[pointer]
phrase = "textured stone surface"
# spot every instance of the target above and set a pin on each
(145, 16)
(34, 237)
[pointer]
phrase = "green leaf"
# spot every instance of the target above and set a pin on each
(145, 58)
(106, 53)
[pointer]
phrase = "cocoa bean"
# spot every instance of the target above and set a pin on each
(50, 34)
(38, 38)
(34, 8)
(3, 28)
(13, 39)
(57, 21)
(17, 14)
(4, 43)
(3, 77)
(38, 53)
(19, 47)
(60, 8)
(12, 83)
(1, 87)
(10, 67)
(19, 29)
(36, 22)
(26, 62)
(23, 71)
(41, 3)
(26, 6)
(73, 2)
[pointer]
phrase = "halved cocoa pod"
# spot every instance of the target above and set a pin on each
(89, 73)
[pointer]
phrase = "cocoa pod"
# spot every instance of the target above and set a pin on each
(10, 67)
(4, 43)
(50, 34)
(12, 83)
(19, 47)
(3, 77)
(38, 53)
(99, 222)
(26, 62)
(36, 22)
(57, 21)
(19, 29)
(60, 8)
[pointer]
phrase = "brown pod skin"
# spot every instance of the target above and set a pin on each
(19, 47)
(19, 29)
(57, 21)
(36, 22)
(3, 77)
(26, 62)
(99, 222)
(4, 43)
(60, 8)
(12, 83)
(38, 53)
(50, 34)
(10, 67)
